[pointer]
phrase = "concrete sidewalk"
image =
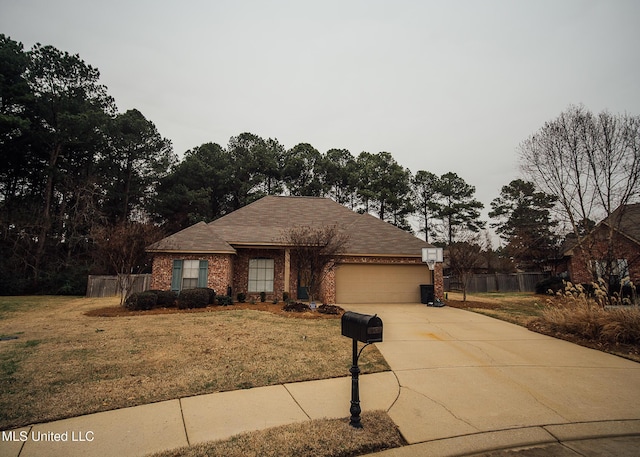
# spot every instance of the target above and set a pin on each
(461, 383)
(145, 429)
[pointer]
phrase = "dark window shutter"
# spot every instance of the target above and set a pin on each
(202, 273)
(176, 276)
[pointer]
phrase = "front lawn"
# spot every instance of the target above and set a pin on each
(57, 362)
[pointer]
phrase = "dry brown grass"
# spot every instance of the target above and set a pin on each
(582, 320)
(517, 308)
(573, 317)
(65, 363)
(318, 438)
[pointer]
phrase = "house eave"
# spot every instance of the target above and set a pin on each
(183, 251)
(359, 254)
(259, 245)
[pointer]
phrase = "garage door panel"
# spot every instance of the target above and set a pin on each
(380, 283)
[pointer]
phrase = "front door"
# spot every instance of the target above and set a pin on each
(303, 284)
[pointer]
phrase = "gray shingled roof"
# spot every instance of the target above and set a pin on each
(263, 223)
(629, 222)
(198, 238)
(629, 226)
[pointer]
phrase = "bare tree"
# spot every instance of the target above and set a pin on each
(121, 249)
(314, 251)
(592, 165)
(464, 257)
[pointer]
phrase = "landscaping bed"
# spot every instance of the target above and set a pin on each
(537, 313)
(277, 309)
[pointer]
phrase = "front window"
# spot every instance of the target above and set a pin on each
(189, 274)
(261, 273)
(190, 270)
(618, 271)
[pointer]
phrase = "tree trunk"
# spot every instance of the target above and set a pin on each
(46, 212)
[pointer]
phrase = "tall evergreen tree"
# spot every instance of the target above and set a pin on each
(196, 189)
(246, 176)
(70, 112)
(137, 159)
(384, 187)
(425, 185)
(456, 206)
(339, 175)
(524, 222)
(302, 171)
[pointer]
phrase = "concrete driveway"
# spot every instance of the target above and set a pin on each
(461, 373)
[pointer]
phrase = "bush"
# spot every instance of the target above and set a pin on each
(263, 296)
(212, 295)
(285, 296)
(193, 298)
(330, 309)
(141, 301)
(166, 298)
(553, 284)
(242, 297)
(296, 307)
(224, 300)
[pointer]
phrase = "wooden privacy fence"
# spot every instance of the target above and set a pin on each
(514, 282)
(108, 286)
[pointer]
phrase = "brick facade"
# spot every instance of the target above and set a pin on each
(241, 272)
(596, 249)
(227, 270)
(219, 276)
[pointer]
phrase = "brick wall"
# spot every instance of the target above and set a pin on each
(218, 278)
(596, 249)
(241, 272)
(229, 270)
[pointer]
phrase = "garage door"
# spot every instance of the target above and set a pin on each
(380, 283)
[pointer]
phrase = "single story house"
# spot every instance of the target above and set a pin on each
(582, 259)
(244, 252)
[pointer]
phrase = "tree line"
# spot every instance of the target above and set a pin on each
(212, 181)
(75, 169)
(79, 179)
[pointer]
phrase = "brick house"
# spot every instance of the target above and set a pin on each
(592, 254)
(244, 251)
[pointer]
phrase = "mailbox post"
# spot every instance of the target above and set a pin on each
(367, 329)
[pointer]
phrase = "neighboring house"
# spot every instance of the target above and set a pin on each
(245, 251)
(592, 253)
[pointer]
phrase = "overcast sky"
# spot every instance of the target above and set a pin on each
(441, 85)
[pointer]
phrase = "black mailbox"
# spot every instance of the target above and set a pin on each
(362, 327)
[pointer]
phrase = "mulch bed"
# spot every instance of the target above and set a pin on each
(121, 311)
(471, 304)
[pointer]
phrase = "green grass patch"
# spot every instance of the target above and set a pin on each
(11, 360)
(28, 303)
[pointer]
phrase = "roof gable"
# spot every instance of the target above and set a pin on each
(629, 221)
(198, 238)
(264, 222)
(626, 223)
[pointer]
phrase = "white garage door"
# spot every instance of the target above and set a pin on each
(380, 283)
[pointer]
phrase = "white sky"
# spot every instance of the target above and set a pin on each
(442, 85)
